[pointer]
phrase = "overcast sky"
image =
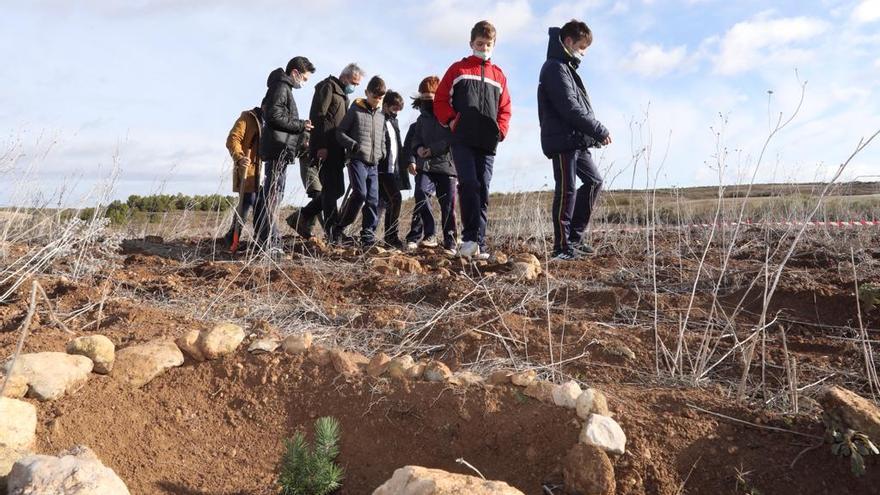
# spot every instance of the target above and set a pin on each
(155, 85)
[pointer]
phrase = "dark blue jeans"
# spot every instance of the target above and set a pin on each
(422, 226)
(474, 169)
(364, 180)
(572, 208)
(268, 200)
(248, 201)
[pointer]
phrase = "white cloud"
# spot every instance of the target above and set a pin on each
(450, 21)
(867, 11)
(752, 43)
(654, 60)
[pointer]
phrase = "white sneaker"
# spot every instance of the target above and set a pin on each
(468, 249)
(412, 246)
(430, 242)
(482, 256)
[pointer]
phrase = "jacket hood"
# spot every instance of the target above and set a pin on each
(362, 102)
(556, 50)
(427, 112)
(278, 75)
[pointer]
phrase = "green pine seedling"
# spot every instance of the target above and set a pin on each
(307, 471)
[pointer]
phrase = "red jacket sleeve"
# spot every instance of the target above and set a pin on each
(504, 108)
(443, 98)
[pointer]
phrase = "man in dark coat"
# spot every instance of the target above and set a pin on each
(568, 131)
(281, 136)
(329, 106)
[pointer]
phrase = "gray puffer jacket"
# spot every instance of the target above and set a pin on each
(362, 133)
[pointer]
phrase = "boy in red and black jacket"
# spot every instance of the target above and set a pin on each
(474, 102)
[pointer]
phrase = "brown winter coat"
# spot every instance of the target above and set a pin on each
(244, 141)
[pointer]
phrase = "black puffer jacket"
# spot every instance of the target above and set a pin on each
(564, 109)
(282, 127)
(428, 133)
(362, 133)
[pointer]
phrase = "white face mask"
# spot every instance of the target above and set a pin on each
(297, 82)
(486, 55)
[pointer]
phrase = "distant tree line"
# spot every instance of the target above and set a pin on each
(119, 212)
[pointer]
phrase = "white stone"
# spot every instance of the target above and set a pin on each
(436, 371)
(98, 348)
(50, 375)
(78, 472)
(264, 345)
(18, 423)
(416, 480)
(524, 378)
(139, 364)
(566, 395)
(591, 401)
(297, 344)
(221, 340)
(605, 433)
(8, 457)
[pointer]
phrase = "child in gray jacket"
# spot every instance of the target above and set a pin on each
(362, 134)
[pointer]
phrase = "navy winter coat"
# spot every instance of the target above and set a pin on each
(282, 127)
(564, 109)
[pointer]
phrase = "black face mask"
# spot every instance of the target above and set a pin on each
(427, 105)
(391, 115)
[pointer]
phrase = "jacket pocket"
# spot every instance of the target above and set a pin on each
(477, 130)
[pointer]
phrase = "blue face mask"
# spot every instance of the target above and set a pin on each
(349, 88)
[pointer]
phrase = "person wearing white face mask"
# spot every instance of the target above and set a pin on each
(473, 101)
(279, 143)
(568, 130)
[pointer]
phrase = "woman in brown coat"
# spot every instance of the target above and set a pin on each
(243, 144)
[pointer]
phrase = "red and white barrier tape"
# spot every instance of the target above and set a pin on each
(837, 224)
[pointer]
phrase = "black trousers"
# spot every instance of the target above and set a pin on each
(572, 208)
(389, 206)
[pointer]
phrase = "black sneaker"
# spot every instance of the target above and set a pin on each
(567, 255)
(584, 249)
(394, 243)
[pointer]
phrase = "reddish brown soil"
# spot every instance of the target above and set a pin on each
(217, 428)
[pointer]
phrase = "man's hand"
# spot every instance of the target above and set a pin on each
(242, 165)
(321, 154)
(424, 152)
(307, 125)
(607, 140)
(412, 169)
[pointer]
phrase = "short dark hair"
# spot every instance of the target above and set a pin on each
(301, 64)
(483, 29)
(393, 99)
(376, 86)
(576, 30)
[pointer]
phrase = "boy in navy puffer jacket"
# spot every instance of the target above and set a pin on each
(568, 131)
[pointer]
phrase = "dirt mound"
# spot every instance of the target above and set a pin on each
(218, 427)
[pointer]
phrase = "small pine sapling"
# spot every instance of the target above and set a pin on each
(307, 471)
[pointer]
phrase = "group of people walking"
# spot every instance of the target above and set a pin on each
(449, 151)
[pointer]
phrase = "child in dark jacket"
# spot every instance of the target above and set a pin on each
(392, 176)
(568, 130)
(362, 134)
(431, 162)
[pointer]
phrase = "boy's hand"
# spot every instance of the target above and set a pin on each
(412, 169)
(242, 165)
(424, 152)
(307, 125)
(321, 154)
(607, 140)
